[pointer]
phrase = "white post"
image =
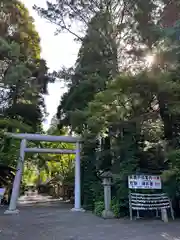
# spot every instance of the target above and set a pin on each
(17, 181)
(77, 203)
(164, 215)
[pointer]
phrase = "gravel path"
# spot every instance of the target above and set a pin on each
(57, 222)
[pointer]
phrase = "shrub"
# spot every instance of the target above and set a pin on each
(115, 207)
(99, 207)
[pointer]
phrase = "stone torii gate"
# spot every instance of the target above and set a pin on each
(23, 149)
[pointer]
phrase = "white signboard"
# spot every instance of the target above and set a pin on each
(144, 182)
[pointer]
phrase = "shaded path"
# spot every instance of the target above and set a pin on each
(34, 198)
(57, 222)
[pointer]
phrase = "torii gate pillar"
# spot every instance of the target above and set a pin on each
(77, 204)
(17, 181)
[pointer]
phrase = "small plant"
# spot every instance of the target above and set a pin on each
(99, 207)
(115, 207)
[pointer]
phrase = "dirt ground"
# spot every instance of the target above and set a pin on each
(56, 222)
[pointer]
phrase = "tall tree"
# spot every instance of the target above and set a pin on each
(24, 75)
(19, 33)
(94, 66)
(17, 25)
(118, 18)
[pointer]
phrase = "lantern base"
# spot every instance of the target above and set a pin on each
(108, 214)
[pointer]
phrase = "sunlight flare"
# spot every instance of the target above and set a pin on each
(149, 59)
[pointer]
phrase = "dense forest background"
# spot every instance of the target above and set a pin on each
(123, 91)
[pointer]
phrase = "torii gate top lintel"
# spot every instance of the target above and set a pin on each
(47, 138)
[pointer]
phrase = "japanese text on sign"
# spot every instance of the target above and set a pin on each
(144, 182)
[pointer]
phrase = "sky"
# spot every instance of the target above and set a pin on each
(58, 51)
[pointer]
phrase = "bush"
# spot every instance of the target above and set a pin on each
(120, 197)
(115, 207)
(171, 177)
(99, 207)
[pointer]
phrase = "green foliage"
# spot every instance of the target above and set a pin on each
(30, 176)
(14, 83)
(20, 63)
(91, 185)
(99, 207)
(22, 28)
(116, 207)
(171, 177)
(113, 97)
(87, 79)
(40, 168)
(9, 159)
(13, 123)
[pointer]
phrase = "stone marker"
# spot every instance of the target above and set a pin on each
(107, 177)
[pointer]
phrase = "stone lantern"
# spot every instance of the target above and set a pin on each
(107, 182)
